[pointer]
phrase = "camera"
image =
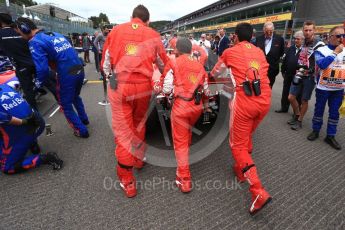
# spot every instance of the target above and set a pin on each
(303, 69)
(299, 75)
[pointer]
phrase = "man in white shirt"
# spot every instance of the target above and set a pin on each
(205, 43)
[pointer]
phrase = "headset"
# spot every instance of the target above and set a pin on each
(22, 26)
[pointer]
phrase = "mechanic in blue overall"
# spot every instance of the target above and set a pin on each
(52, 49)
(20, 126)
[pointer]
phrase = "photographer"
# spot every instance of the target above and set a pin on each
(304, 82)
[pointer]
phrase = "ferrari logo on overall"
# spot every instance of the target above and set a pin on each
(131, 49)
(254, 64)
(248, 46)
(192, 78)
(135, 26)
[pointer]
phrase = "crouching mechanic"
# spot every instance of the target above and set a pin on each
(130, 51)
(54, 49)
(20, 126)
(249, 106)
(187, 79)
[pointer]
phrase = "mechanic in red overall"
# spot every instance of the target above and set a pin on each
(249, 106)
(187, 79)
(131, 50)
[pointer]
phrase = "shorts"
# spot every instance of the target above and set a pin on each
(305, 88)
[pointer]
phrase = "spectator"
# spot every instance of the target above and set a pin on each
(289, 67)
(212, 41)
(95, 52)
(304, 81)
(231, 39)
(224, 42)
(205, 44)
(99, 43)
(192, 40)
(214, 47)
(273, 47)
(165, 41)
(172, 42)
(86, 47)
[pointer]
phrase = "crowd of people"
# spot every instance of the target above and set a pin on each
(296, 61)
(126, 56)
(94, 43)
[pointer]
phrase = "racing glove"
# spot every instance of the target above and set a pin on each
(33, 123)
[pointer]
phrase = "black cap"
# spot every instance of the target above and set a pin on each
(183, 45)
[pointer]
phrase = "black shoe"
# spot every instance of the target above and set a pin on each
(85, 122)
(52, 159)
(313, 136)
(281, 111)
(35, 148)
(77, 134)
(332, 142)
(297, 126)
(293, 120)
(85, 81)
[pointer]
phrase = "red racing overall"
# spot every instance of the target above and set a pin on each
(131, 50)
(246, 111)
(188, 75)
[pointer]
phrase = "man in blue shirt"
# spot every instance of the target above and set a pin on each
(53, 49)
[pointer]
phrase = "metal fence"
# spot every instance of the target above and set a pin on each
(47, 22)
